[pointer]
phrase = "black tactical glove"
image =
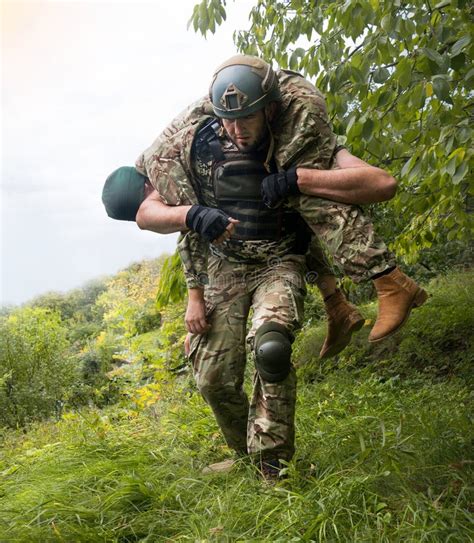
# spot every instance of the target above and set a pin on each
(209, 222)
(277, 186)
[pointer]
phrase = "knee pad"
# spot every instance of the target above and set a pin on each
(273, 351)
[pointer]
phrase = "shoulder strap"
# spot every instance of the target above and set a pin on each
(208, 135)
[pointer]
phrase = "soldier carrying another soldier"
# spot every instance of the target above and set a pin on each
(239, 179)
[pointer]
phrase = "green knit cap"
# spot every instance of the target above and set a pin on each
(123, 192)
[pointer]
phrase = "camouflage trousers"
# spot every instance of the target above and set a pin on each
(273, 292)
(349, 236)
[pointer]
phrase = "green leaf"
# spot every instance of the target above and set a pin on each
(433, 55)
(355, 74)
(404, 198)
(470, 74)
(441, 89)
(368, 129)
(458, 62)
(451, 166)
(386, 23)
(417, 97)
(448, 144)
(460, 45)
(384, 98)
(413, 175)
(404, 72)
(408, 166)
(460, 172)
(381, 74)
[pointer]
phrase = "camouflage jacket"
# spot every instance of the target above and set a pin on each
(303, 137)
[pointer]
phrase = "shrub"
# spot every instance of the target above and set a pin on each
(36, 369)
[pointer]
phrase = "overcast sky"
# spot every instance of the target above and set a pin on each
(87, 86)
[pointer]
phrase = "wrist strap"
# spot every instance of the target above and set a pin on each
(190, 215)
(292, 178)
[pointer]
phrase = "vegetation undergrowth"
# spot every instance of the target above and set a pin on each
(384, 450)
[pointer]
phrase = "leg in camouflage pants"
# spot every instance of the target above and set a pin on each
(349, 235)
(276, 293)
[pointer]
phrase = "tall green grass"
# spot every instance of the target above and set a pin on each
(384, 454)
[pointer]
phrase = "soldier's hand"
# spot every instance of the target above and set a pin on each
(228, 231)
(195, 317)
(209, 222)
(277, 186)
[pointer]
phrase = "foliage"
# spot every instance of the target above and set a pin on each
(127, 303)
(398, 81)
(158, 359)
(172, 286)
(36, 368)
(77, 308)
(95, 361)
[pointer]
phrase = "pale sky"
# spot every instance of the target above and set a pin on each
(87, 86)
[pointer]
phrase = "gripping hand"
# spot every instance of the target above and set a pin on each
(209, 222)
(277, 186)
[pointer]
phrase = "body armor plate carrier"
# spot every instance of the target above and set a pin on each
(237, 179)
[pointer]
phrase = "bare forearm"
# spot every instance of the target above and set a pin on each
(196, 294)
(157, 217)
(353, 185)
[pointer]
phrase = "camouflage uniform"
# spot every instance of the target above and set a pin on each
(303, 137)
(275, 294)
(262, 275)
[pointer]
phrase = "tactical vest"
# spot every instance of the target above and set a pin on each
(237, 178)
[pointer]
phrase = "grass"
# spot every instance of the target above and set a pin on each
(384, 454)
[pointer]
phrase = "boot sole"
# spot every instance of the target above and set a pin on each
(418, 300)
(338, 347)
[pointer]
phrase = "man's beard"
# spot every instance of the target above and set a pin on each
(246, 148)
(260, 143)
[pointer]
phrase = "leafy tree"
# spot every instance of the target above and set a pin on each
(398, 82)
(36, 369)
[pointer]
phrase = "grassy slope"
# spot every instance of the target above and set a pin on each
(383, 453)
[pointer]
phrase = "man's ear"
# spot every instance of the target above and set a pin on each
(270, 111)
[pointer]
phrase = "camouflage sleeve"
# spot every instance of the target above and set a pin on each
(167, 162)
(303, 132)
(193, 251)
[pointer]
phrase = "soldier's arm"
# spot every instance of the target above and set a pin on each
(351, 181)
(158, 217)
(193, 251)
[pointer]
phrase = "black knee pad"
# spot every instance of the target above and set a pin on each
(273, 351)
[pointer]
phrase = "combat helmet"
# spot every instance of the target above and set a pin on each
(242, 85)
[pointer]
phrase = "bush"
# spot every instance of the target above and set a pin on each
(36, 369)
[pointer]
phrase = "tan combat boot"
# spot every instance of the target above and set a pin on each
(398, 295)
(343, 320)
